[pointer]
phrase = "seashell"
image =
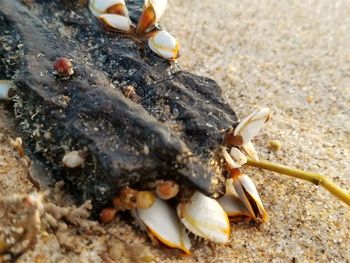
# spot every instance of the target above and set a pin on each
(205, 217)
(164, 45)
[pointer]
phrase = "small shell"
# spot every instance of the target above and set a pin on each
(73, 159)
(251, 126)
(204, 217)
(5, 87)
(117, 22)
(99, 7)
(162, 222)
(164, 45)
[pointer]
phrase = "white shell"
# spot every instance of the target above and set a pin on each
(249, 149)
(244, 185)
(99, 7)
(118, 22)
(73, 159)
(251, 126)
(158, 6)
(5, 86)
(204, 217)
(164, 45)
(233, 206)
(161, 220)
(232, 163)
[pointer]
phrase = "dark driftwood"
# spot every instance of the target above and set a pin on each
(172, 131)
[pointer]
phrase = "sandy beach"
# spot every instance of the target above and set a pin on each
(293, 57)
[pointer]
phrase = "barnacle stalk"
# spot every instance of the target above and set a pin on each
(311, 177)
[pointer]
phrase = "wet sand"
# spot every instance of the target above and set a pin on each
(292, 57)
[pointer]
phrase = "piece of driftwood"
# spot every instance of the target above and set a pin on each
(171, 127)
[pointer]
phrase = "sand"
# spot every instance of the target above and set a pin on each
(293, 57)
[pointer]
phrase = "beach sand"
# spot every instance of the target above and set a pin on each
(291, 56)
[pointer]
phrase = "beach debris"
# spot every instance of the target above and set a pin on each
(118, 131)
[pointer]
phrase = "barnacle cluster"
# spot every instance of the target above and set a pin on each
(201, 215)
(114, 14)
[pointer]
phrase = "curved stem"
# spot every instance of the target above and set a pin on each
(314, 178)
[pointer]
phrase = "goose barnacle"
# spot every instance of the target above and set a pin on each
(117, 22)
(164, 45)
(161, 222)
(205, 217)
(117, 7)
(152, 12)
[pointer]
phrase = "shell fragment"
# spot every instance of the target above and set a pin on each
(161, 221)
(204, 217)
(164, 45)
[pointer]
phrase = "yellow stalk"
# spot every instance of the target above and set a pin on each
(314, 178)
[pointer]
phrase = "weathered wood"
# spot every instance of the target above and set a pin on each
(173, 131)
